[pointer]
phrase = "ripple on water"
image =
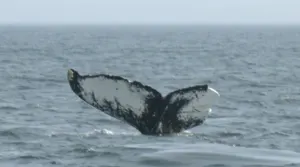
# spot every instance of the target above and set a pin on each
(8, 107)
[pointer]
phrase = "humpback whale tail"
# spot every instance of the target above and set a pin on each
(143, 107)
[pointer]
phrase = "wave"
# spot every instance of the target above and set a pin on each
(205, 154)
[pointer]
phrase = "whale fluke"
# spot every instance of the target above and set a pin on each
(143, 107)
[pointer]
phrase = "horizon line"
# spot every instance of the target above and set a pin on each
(148, 24)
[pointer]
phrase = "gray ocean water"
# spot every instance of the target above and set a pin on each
(256, 69)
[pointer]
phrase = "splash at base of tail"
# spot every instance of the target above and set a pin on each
(143, 107)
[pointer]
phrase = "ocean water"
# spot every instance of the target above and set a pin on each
(256, 69)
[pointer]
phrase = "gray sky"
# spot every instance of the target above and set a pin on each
(150, 11)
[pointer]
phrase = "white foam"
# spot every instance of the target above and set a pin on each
(100, 131)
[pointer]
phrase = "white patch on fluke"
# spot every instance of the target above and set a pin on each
(200, 103)
(128, 95)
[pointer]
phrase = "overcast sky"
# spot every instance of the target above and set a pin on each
(150, 11)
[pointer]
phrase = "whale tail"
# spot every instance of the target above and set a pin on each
(142, 106)
(188, 107)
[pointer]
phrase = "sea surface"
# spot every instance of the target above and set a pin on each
(256, 69)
